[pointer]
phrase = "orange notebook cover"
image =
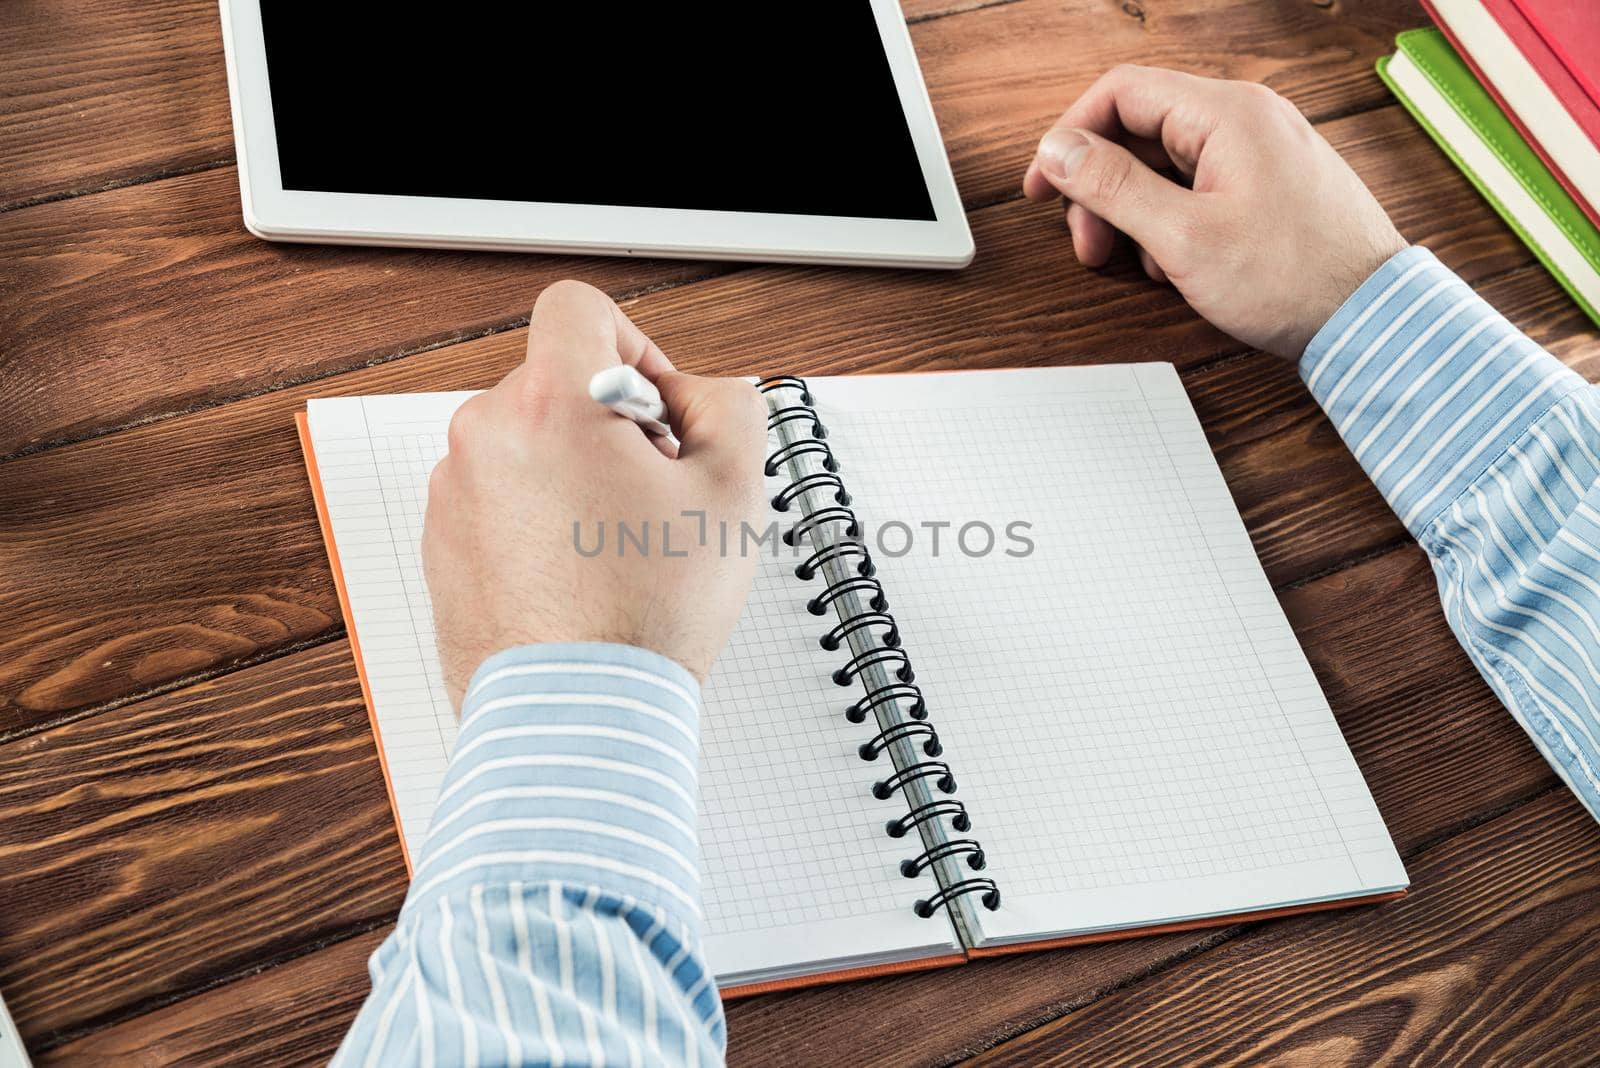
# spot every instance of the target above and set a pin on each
(1155, 390)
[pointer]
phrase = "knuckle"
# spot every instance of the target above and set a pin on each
(458, 434)
(465, 427)
(1256, 91)
(736, 401)
(534, 404)
(1266, 99)
(743, 414)
(428, 546)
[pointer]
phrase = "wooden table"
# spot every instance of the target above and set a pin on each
(196, 855)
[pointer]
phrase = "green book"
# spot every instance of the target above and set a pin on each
(1441, 93)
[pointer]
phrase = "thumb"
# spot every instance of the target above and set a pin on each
(1109, 181)
(720, 423)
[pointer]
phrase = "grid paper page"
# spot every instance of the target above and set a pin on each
(795, 864)
(374, 460)
(1131, 721)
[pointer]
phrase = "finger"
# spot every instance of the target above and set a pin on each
(719, 422)
(1108, 181)
(1093, 239)
(1034, 184)
(635, 348)
(1036, 187)
(1177, 110)
(576, 330)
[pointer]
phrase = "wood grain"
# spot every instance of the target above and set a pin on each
(144, 302)
(148, 301)
(98, 92)
(151, 849)
(192, 833)
(294, 1014)
(1493, 959)
(205, 528)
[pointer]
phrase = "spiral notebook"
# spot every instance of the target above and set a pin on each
(1010, 675)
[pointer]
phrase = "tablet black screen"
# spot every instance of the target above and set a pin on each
(718, 106)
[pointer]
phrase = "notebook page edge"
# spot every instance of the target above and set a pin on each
(341, 591)
(372, 566)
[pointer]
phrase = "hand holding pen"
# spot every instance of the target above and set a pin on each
(535, 461)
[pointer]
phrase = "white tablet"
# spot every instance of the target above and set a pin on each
(715, 129)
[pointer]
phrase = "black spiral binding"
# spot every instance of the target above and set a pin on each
(865, 568)
(891, 635)
(889, 735)
(848, 552)
(944, 806)
(857, 713)
(987, 887)
(955, 848)
(787, 495)
(852, 526)
(818, 605)
(883, 654)
(937, 770)
(796, 449)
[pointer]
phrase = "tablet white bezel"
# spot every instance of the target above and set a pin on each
(277, 214)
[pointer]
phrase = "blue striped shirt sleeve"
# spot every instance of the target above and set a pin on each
(1488, 449)
(554, 911)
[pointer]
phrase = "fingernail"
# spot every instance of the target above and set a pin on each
(1061, 151)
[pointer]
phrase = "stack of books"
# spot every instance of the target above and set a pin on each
(1510, 89)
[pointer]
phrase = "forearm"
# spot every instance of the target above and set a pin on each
(553, 914)
(1488, 449)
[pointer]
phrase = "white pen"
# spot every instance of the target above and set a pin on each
(627, 392)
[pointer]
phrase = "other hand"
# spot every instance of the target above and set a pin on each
(1229, 192)
(534, 456)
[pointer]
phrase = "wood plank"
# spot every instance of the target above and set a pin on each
(144, 302)
(221, 824)
(307, 1007)
(1493, 959)
(151, 849)
(98, 92)
(99, 95)
(205, 526)
(148, 301)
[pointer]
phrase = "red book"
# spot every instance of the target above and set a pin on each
(1572, 30)
(1515, 57)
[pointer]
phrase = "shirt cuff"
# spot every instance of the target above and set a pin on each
(576, 763)
(1428, 384)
